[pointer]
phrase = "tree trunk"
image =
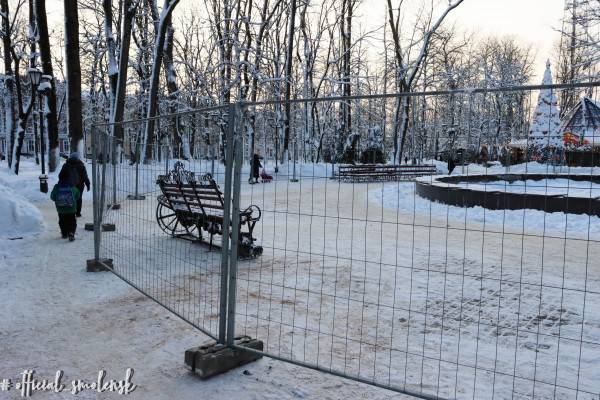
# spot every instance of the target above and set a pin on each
(179, 147)
(50, 98)
(346, 31)
(155, 77)
(9, 83)
(23, 115)
(73, 77)
(119, 103)
(111, 50)
(288, 78)
(404, 121)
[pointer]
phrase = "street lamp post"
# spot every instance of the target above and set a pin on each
(43, 90)
(36, 77)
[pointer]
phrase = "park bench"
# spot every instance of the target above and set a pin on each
(188, 207)
(379, 172)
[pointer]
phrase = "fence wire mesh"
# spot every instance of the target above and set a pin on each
(467, 284)
(152, 248)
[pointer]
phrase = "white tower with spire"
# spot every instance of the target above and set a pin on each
(545, 126)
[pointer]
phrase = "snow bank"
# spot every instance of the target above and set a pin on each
(559, 186)
(402, 197)
(19, 217)
(524, 168)
(27, 183)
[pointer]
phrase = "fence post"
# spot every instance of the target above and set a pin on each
(103, 153)
(95, 193)
(238, 150)
(229, 152)
(98, 188)
(114, 161)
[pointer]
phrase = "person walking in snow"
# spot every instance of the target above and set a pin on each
(78, 175)
(65, 196)
(256, 166)
(451, 165)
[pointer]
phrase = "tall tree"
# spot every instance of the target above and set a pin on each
(73, 67)
(408, 70)
(9, 82)
(128, 13)
(50, 98)
(159, 44)
(288, 78)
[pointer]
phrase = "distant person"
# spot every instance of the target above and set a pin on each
(451, 165)
(132, 158)
(65, 195)
(405, 159)
(79, 178)
(256, 166)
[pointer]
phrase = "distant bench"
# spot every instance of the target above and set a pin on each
(378, 172)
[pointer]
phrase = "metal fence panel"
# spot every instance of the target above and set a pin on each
(433, 287)
(366, 279)
(159, 259)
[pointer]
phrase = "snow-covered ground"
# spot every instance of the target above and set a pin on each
(365, 279)
(374, 282)
(56, 316)
(519, 222)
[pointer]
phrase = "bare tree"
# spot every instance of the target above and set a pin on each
(159, 44)
(288, 77)
(128, 14)
(9, 82)
(74, 107)
(408, 70)
(50, 98)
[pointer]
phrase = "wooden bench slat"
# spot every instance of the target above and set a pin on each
(195, 204)
(192, 190)
(193, 197)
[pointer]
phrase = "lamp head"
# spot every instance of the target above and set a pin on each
(35, 76)
(45, 84)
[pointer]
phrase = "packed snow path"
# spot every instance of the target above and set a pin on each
(56, 316)
(371, 280)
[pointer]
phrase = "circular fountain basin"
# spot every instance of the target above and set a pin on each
(575, 194)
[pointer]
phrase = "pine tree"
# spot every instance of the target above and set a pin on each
(545, 127)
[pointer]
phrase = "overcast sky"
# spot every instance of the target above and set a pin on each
(531, 21)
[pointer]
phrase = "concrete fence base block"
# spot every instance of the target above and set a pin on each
(108, 228)
(213, 359)
(134, 197)
(114, 206)
(89, 226)
(99, 265)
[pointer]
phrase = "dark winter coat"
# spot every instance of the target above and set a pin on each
(451, 165)
(74, 191)
(77, 173)
(256, 166)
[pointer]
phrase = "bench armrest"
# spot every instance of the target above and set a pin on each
(252, 213)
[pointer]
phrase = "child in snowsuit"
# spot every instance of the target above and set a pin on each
(65, 196)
